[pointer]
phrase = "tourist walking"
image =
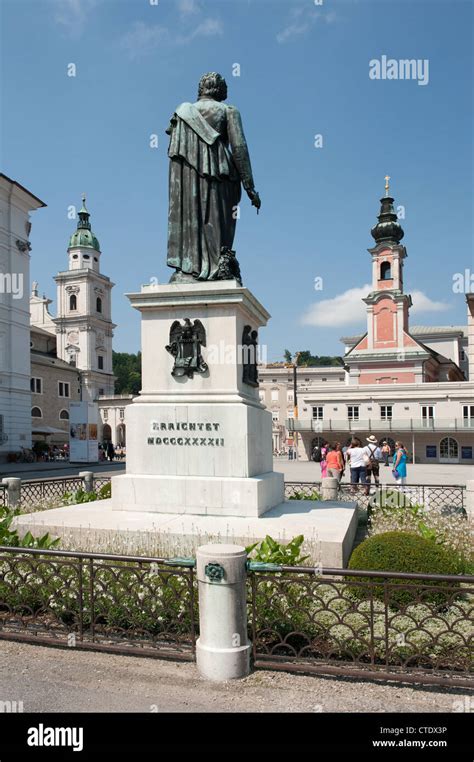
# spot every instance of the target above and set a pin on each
(355, 456)
(335, 462)
(373, 455)
(386, 452)
(323, 463)
(110, 451)
(400, 457)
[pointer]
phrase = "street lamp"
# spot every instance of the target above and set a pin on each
(295, 401)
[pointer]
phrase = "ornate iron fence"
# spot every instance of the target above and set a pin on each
(33, 492)
(3, 495)
(445, 497)
(406, 627)
(302, 490)
(107, 602)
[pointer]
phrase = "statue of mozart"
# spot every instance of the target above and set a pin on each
(209, 161)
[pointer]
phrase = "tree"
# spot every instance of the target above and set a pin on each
(307, 360)
(128, 371)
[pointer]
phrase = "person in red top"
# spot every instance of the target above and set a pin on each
(335, 463)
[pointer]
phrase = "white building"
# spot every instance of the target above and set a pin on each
(16, 202)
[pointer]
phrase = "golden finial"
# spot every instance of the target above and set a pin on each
(387, 186)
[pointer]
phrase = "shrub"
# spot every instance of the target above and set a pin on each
(404, 552)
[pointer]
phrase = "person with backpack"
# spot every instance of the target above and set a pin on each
(355, 455)
(373, 455)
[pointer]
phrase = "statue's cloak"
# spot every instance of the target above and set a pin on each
(204, 192)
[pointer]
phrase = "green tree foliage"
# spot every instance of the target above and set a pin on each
(128, 370)
(307, 360)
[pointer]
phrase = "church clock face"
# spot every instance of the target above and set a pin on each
(73, 337)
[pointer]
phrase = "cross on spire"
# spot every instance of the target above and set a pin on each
(387, 186)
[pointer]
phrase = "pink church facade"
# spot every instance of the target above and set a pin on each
(396, 386)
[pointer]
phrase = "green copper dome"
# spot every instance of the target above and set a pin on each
(84, 236)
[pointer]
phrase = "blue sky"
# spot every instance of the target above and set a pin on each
(304, 70)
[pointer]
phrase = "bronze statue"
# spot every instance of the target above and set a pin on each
(209, 160)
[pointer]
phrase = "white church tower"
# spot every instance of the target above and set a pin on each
(84, 312)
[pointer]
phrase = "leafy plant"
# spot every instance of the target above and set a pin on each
(304, 496)
(105, 491)
(10, 537)
(271, 551)
(73, 498)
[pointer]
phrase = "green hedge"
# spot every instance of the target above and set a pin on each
(407, 553)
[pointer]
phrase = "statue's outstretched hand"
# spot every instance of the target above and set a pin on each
(254, 198)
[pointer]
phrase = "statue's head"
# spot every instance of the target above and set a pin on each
(213, 85)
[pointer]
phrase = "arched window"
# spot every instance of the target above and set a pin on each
(98, 304)
(448, 449)
(36, 412)
(64, 415)
(73, 302)
(385, 271)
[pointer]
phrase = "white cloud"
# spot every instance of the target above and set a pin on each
(143, 38)
(343, 309)
(302, 20)
(207, 28)
(422, 303)
(188, 7)
(72, 15)
(349, 309)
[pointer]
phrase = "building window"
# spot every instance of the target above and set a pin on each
(318, 413)
(386, 412)
(73, 302)
(100, 362)
(353, 412)
(63, 389)
(36, 385)
(98, 304)
(36, 412)
(122, 413)
(427, 415)
(291, 413)
(101, 392)
(275, 417)
(468, 415)
(64, 415)
(462, 355)
(106, 414)
(324, 379)
(385, 271)
(448, 448)
(274, 395)
(73, 359)
(290, 396)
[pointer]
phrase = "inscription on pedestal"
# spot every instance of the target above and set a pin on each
(185, 441)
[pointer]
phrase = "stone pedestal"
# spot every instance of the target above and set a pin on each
(199, 445)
